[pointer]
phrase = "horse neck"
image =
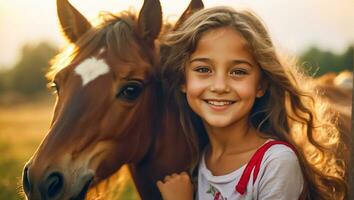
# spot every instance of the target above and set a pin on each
(168, 154)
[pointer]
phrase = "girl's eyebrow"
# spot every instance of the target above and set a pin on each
(201, 60)
(236, 62)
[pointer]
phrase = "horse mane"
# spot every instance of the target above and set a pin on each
(113, 31)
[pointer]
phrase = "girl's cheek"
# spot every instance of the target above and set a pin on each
(195, 86)
(246, 89)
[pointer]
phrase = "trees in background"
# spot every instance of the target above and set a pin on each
(27, 76)
(318, 62)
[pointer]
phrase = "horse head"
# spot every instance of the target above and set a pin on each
(106, 98)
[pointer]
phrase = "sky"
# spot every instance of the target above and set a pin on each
(294, 25)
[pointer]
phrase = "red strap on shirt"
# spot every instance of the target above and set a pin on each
(255, 163)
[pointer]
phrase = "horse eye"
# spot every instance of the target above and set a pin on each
(130, 91)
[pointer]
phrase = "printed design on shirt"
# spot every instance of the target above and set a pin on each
(215, 193)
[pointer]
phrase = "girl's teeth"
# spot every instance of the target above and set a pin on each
(219, 103)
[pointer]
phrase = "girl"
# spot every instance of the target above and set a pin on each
(262, 135)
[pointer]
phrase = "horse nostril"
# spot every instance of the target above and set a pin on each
(25, 181)
(53, 185)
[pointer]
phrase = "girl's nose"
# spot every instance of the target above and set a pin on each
(219, 84)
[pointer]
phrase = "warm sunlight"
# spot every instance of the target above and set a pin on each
(123, 109)
(25, 21)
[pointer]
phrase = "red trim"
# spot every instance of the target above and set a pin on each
(255, 164)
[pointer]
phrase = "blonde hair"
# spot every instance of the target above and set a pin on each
(287, 111)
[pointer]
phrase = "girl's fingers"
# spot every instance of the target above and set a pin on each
(167, 178)
(159, 184)
(173, 176)
(184, 176)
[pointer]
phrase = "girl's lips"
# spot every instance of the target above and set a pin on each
(219, 105)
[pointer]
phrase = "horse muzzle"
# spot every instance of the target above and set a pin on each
(55, 185)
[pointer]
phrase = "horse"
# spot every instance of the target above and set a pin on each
(109, 110)
(336, 91)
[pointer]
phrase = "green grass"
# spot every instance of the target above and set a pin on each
(22, 128)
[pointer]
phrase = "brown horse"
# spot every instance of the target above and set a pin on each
(336, 90)
(109, 109)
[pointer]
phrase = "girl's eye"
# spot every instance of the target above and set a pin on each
(202, 70)
(239, 72)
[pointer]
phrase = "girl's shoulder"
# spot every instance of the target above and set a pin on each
(281, 162)
(280, 148)
(281, 154)
(280, 175)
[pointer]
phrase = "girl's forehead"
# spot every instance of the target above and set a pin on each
(225, 38)
(223, 43)
(228, 32)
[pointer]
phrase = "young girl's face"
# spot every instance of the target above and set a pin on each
(222, 79)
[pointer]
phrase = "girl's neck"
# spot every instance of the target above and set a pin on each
(236, 138)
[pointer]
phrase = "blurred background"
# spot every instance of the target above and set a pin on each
(319, 32)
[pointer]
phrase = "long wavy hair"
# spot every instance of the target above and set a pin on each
(288, 111)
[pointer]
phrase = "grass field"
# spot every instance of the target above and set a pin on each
(22, 127)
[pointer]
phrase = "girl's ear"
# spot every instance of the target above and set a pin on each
(262, 88)
(183, 88)
(260, 93)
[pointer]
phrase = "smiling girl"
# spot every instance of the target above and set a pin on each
(264, 138)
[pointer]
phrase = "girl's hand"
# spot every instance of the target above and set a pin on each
(176, 187)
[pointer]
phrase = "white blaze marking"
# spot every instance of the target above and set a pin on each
(90, 69)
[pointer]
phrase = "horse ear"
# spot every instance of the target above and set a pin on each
(150, 21)
(194, 6)
(72, 22)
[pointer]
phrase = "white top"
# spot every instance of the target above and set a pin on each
(279, 177)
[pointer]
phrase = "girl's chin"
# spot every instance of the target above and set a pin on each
(218, 123)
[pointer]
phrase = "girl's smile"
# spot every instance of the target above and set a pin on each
(219, 105)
